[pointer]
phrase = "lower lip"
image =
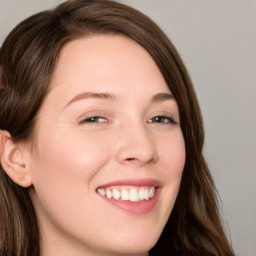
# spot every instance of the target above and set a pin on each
(134, 208)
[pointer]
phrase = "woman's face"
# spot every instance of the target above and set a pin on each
(108, 128)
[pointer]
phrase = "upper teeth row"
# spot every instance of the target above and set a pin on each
(133, 195)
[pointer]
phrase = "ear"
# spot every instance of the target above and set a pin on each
(14, 160)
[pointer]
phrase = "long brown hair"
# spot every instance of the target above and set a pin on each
(28, 57)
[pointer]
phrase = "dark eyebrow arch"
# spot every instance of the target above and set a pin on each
(94, 95)
(160, 97)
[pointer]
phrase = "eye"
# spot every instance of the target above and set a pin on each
(162, 120)
(94, 119)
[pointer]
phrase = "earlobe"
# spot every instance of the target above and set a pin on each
(13, 160)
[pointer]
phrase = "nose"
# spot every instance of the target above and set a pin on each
(135, 146)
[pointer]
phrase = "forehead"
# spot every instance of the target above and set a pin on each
(103, 63)
(104, 52)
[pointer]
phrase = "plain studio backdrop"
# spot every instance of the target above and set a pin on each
(217, 41)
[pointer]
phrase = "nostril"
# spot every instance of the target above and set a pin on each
(131, 159)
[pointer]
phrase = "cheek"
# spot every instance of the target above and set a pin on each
(173, 155)
(65, 167)
(62, 178)
(72, 156)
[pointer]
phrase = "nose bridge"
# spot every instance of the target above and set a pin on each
(135, 144)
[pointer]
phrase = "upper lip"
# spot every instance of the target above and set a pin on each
(134, 182)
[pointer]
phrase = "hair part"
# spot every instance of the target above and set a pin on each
(28, 57)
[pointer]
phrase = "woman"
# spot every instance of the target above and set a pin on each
(101, 139)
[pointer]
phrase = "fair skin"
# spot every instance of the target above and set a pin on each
(109, 122)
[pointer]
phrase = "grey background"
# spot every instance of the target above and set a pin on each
(217, 41)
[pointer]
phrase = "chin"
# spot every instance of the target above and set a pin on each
(137, 244)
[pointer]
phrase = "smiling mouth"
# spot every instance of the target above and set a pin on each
(128, 193)
(132, 196)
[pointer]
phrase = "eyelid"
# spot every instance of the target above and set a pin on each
(165, 114)
(96, 114)
(170, 120)
(86, 120)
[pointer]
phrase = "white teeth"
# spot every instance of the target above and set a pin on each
(109, 193)
(151, 192)
(125, 195)
(101, 191)
(146, 196)
(116, 194)
(134, 195)
(141, 194)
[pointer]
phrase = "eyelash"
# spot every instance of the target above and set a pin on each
(163, 120)
(93, 119)
(157, 119)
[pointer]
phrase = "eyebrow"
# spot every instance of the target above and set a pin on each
(159, 97)
(87, 95)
